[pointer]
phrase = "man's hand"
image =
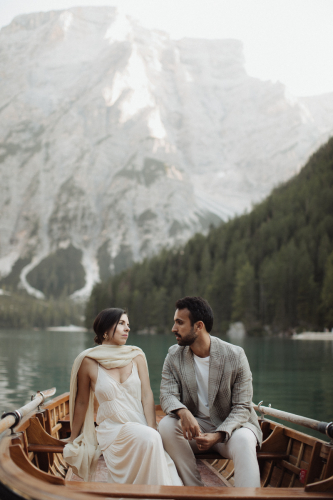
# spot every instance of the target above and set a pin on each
(207, 440)
(189, 424)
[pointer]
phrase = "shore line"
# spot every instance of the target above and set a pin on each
(69, 328)
(313, 336)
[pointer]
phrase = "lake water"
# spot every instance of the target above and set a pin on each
(292, 375)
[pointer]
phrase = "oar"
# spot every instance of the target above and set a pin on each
(12, 418)
(323, 427)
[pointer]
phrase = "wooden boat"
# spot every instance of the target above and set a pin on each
(292, 464)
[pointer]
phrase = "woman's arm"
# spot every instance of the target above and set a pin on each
(82, 397)
(147, 397)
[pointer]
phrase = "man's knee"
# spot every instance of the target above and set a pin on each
(168, 426)
(243, 440)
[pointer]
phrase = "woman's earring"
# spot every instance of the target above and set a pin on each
(105, 336)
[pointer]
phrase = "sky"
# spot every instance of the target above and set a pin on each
(284, 40)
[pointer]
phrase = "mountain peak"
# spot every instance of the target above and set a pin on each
(117, 141)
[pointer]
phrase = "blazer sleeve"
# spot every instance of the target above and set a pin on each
(241, 399)
(170, 388)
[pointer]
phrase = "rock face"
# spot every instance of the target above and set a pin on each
(116, 141)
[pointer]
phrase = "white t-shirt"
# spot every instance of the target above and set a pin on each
(201, 366)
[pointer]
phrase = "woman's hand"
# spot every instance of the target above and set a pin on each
(67, 440)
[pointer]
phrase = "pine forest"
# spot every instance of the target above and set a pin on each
(271, 268)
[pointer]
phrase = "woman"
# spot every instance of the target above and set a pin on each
(126, 432)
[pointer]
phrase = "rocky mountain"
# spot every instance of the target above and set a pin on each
(116, 141)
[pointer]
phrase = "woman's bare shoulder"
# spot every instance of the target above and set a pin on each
(88, 364)
(140, 359)
(140, 355)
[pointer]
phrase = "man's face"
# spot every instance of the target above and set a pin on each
(183, 330)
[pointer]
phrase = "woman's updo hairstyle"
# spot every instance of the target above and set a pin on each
(105, 320)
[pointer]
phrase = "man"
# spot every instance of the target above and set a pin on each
(206, 392)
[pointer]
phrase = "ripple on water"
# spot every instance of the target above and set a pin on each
(292, 376)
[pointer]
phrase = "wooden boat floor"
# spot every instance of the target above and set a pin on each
(207, 476)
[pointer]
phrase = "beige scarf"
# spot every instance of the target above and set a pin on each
(82, 454)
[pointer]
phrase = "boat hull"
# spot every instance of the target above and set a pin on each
(292, 465)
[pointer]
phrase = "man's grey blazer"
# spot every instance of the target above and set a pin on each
(229, 386)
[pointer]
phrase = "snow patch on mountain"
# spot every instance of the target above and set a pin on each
(118, 141)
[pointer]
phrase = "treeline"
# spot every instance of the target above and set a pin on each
(20, 310)
(271, 268)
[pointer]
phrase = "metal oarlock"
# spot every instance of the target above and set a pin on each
(329, 431)
(16, 414)
(38, 393)
(262, 415)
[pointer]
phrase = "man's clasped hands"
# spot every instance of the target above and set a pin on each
(191, 430)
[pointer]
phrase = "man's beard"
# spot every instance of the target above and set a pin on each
(187, 339)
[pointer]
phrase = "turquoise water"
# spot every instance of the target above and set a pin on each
(295, 376)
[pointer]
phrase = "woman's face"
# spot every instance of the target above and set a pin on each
(120, 336)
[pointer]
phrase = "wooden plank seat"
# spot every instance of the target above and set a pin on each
(41, 441)
(261, 455)
(42, 444)
(46, 448)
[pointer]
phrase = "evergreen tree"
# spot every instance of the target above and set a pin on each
(272, 266)
(327, 292)
(243, 305)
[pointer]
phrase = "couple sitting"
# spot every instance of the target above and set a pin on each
(206, 393)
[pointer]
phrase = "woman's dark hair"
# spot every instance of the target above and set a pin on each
(105, 320)
(199, 310)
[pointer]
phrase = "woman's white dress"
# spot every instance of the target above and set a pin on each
(133, 452)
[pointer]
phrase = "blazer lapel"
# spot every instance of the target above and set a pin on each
(216, 368)
(188, 372)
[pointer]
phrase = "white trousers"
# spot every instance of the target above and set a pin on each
(241, 448)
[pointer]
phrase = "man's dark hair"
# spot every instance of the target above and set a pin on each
(199, 309)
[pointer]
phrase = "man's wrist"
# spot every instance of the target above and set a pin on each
(179, 411)
(221, 435)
